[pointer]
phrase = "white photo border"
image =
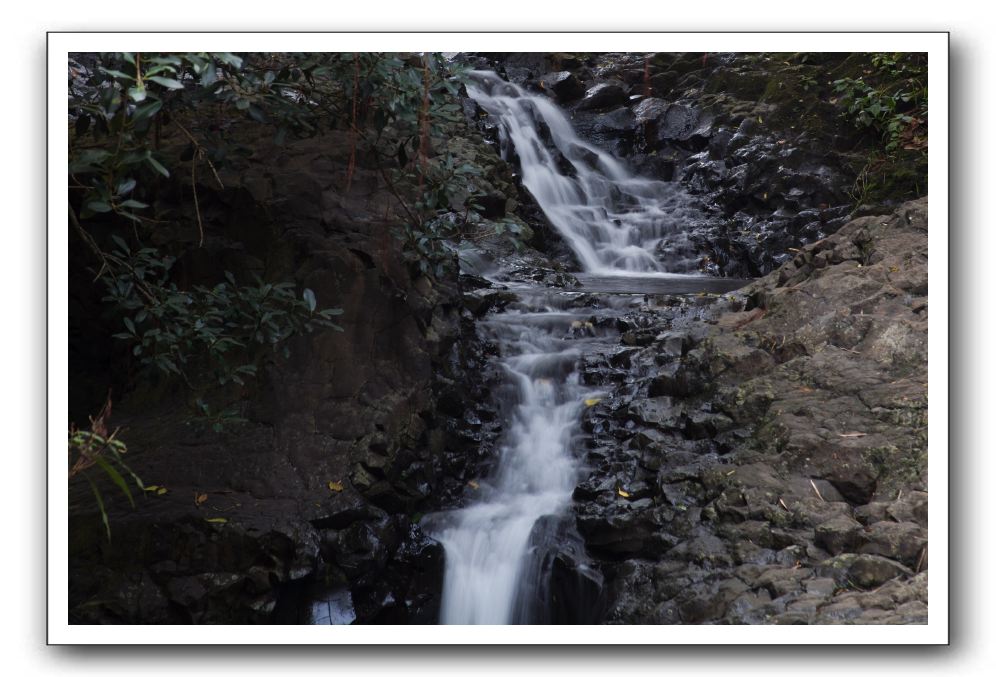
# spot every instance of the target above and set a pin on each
(935, 44)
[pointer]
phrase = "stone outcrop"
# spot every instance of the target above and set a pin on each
(345, 443)
(768, 465)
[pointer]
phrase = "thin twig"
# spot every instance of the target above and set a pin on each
(394, 191)
(105, 258)
(197, 204)
(199, 149)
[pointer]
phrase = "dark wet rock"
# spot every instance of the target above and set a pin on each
(704, 603)
(679, 123)
(637, 338)
(823, 587)
(658, 411)
(786, 443)
(603, 95)
(623, 358)
(672, 345)
(839, 534)
(864, 571)
(779, 581)
(909, 507)
(481, 301)
(700, 425)
(901, 541)
(564, 85)
(566, 586)
(704, 549)
(624, 529)
(409, 589)
(678, 379)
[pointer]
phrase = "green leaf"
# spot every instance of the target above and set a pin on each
(121, 243)
(309, 297)
(157, 166)
(100, 505)
(230, 59)
(137, 93)
(147, 110)
(168, 83)
(116, 74)
(134, 204)
(125, 186)
(115, 477)
(98, 206)
(129, 324)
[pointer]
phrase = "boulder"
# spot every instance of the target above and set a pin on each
(603, 95)
(564, 85)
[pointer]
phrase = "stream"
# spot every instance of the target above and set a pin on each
(625, 231)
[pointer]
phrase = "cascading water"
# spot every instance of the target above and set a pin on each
(616, 223)
(486, 542)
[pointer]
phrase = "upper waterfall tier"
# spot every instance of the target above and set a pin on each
(615, 222)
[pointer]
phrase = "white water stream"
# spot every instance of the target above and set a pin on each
(614, 221)
(486, 543)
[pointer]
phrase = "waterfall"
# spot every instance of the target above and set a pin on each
(615, 222)
(620, 226)
(487, 543)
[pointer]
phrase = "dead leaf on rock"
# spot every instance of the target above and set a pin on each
(335, 486)
(199, 499)
(851, 434)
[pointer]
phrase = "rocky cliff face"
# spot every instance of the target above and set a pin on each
(762, 458)
(347, 441)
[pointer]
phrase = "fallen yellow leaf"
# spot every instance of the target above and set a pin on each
(335, 486)
(217, 520)
(200, 498)
(473, 485)
(624, 494)
(591, 402)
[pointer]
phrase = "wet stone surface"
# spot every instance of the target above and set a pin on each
(730, 479)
